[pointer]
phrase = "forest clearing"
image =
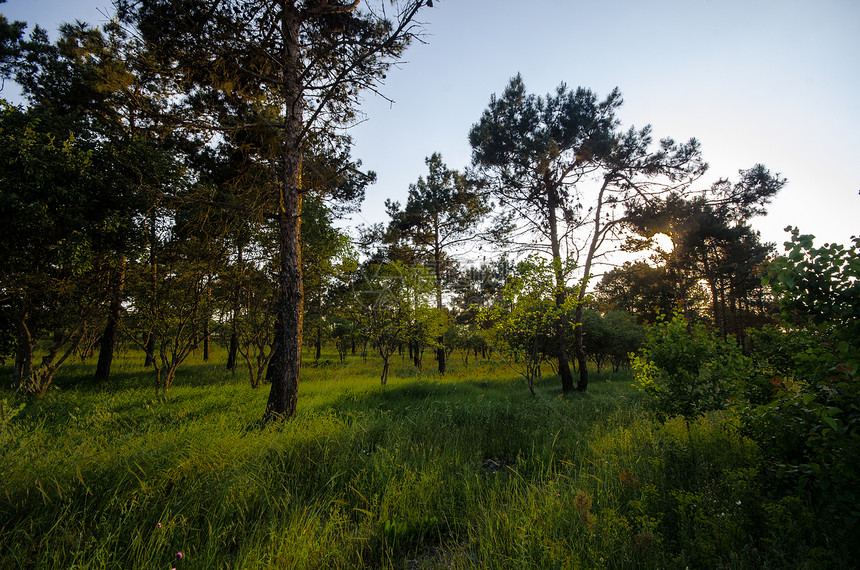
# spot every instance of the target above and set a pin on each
(575, 350)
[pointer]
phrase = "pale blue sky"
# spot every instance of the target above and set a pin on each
(771, 81)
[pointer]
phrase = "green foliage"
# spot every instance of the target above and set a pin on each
(818, 286)
(640, 289)
(523, 327)
(626, 337)
(712, 244)
(686, 369)
(611, 337)
(811, 426)
(391, 306)
(52, 216)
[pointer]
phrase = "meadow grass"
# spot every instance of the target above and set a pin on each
(461, 471)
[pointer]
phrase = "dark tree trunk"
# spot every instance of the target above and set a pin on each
(150, 350)
(23, 352)
(234, 337)
(232, 352)
(206, 332)
(107, 345)
(383, 378)
(285, 365)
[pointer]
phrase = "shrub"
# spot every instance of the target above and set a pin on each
(687, 370)
(811, 427)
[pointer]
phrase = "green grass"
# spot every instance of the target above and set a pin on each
(465, 471)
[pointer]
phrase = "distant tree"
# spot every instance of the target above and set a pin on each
(713, 243)
(597, 337)
(254, 326)
(647, 291)
(441, 212)
(323, 247)
(626, 337)
(523, 326)
(537, 153)
(530, 150)
(172, 299)
(392, 307)
(479, 287)
(310, 60)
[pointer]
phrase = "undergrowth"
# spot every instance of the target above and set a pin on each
(462, 471)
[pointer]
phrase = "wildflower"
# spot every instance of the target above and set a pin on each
(179, 555)
(159, 525)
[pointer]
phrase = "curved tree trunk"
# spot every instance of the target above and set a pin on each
(437, 260)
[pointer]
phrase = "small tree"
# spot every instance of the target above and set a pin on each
(171, 301)
(523, 326)
(442, 212)
(392, 308)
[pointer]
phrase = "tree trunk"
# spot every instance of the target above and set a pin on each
(150, 350)
(285, 365)
(416, 356)
(437, 259)
(108, 340)
(560, 292)
(578, 332)
(231, 354)
(23, 352)
(206, 340)
(384, 376)
(234, 337)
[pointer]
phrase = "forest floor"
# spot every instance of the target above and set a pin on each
(462, 471)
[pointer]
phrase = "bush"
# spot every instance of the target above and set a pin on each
(811, 427)
(687, 370)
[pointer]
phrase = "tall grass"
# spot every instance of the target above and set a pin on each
(462, 471)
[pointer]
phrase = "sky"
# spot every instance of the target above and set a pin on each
(755, 81)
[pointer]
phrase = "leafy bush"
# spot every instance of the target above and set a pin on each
(811, 427)
(686, 370)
